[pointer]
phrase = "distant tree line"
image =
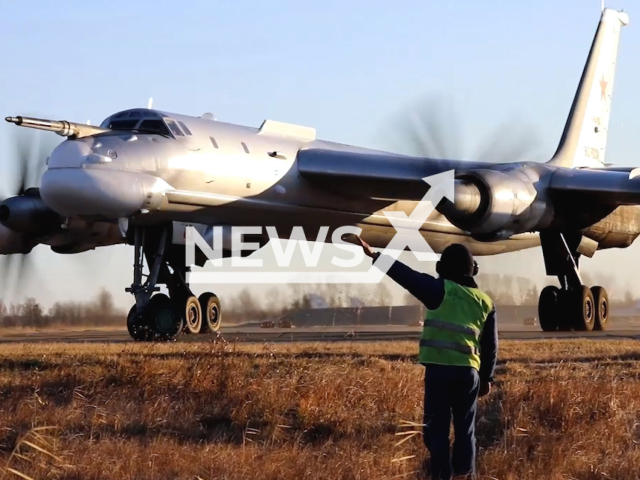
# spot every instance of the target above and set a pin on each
(100, 311)
(513, 290)
(247, 306)
(278, 301)
(504, 290)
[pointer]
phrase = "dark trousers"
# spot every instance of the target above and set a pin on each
(450, 390)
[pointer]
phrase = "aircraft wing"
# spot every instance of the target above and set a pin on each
(605, 186)
(399, 177)
(380, 175)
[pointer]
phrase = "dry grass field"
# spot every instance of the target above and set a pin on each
(560, 410)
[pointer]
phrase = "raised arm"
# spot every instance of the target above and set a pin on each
(426, 288)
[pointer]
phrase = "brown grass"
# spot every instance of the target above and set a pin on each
(560, 410)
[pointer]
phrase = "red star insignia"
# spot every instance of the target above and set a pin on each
(603, 88)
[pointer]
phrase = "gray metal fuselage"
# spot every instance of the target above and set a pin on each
(230, 175)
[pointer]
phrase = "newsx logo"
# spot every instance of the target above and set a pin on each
(252, 271)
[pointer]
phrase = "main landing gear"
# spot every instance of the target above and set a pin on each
(573, 306)
(161, 317)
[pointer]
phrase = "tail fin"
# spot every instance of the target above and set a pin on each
(584, 138)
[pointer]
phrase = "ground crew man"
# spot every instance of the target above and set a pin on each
(458, 347)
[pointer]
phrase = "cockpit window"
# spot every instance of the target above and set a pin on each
(122, 124)
(146, 121)
(174, 128)
(154, 126)
(185, 129)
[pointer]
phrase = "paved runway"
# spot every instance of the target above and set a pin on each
(629, 330)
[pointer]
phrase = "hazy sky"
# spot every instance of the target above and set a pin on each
(346, 68)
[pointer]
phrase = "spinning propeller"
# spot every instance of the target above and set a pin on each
(30, 155)
(429, 128)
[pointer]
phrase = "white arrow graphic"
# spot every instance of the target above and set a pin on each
(407, 236)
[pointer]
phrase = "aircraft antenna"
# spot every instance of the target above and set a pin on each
(150, 104)
(602, 5)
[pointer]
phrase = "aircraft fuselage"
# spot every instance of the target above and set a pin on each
(234, 175)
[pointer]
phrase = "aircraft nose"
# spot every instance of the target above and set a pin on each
(100, 192)
(70, 153)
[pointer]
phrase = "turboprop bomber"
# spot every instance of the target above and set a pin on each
(143, 175)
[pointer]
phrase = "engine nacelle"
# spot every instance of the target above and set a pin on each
(493, 205)
(619, 229)
(14, 242)
(28, 214)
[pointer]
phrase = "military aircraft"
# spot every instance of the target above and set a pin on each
(143, 175)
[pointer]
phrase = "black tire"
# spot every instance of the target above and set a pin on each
(192, 315)
(163, 318)
(211, 312)
(601, 302)
(566, 317)
(136, 326)
(581, 309)
(549, 308)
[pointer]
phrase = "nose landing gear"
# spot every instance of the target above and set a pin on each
(573, 306)
(161, 317)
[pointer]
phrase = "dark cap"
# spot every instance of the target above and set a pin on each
(456, 260)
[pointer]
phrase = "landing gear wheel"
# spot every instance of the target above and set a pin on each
(601, 302)
(163, 318)
(136, 326)
(566, 312)
(192, 315)
(581, 309)
(549, 308)
(211, 312)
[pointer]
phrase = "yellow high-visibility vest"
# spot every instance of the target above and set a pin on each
(451, 333)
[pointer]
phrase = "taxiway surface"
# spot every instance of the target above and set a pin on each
(628, 330)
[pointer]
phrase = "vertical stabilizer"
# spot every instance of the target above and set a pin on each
(584, 137)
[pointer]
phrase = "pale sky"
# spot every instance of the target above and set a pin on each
(345, 68)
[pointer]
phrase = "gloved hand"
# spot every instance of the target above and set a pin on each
(485, 388)
(368, 251)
